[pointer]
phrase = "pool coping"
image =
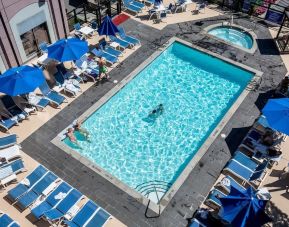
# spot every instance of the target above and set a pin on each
(199, 154)
(227, 24)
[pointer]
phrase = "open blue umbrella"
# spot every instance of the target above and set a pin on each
(276, 112)
(67, 49)
(21, 80)
(243, 208)
(107, 27)
(158, 2)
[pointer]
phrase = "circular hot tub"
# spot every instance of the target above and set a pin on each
(234, 35)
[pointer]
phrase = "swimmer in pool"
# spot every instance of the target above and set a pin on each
(71, 136)
(82, 130)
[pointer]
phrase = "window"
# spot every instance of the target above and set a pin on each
(31, 39)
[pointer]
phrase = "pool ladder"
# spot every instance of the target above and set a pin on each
(156, 187)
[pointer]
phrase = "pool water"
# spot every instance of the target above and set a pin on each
(233, 35)
(196, 91)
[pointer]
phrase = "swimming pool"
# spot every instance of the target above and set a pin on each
(233, 34)
(196, 90)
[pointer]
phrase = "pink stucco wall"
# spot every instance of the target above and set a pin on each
(9, 8)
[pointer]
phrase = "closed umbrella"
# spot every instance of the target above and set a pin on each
(21, 80)
(107, 27)
(276, 112)
(67, 49)
(243, 208)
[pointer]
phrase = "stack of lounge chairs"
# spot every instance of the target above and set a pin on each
(11, 162)
(246, 168)
(52, 199)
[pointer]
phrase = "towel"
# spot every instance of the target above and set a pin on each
(25, 182)
(33, 98)
(60, 195)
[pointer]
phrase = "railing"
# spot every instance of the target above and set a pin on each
(155, 187)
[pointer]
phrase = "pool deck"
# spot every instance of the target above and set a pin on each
(194, 190)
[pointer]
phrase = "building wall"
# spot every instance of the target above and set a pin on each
(14, 12)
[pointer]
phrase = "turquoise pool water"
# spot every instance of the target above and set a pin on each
(233, 35)
(196, 91)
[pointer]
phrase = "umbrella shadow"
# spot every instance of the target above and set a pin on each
(279, 218)
(235, 138)
(263, 99)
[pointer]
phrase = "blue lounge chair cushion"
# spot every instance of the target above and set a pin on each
(98, 219)
(239, 170)
(122, 43)
(254, 135)
(33, 177)
(43, 103)
(108, 57)
(31, 196)
(83, 215)
(7, 141)
(127, 38)
(112, 51)
(131, 7)
(7, 123)
(245, 160)
(136, 3)
(215, 196)
(51, 200)
(258, 173)
(63, 207)
(17, 165)
(51, 95)
(43, 47)
(5, 220)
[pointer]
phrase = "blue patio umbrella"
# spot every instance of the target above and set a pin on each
(158, 2)
(243, 208)
(67, 49)
(276, 112)
(21, 80)
(107, 27)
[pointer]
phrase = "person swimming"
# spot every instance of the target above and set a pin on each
(71, 136)
(154, 114)
(80, 129)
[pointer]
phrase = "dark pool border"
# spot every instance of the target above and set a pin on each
(227, 24)
(190, 166)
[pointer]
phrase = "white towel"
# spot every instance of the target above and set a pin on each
(60, 195)
(26, 182)
(10, 152)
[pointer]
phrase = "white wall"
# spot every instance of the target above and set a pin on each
(27, 18)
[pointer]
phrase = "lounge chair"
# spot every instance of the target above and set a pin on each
(51, 95)
(196, 223)
(58, 212)
(6, 221)
(7, 122)
(181, 6)
(131, 7)
(52, 200)
(228, 182)
(11, 109)
(22, 104)
(90, 72)
(70, 86)
(104, 47)
(8, 171)
(46, 184)
(22, 187)
(43, 47)
(83, 215)
(68, 74)
(7, 141)
(245, 160)
(127, 38)
(136, 3)
(98, 219)
(213, 199)
(10, 153)
(123, 44)
(40, 102)
(109, 58)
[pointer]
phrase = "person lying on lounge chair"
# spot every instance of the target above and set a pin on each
(80, 129)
